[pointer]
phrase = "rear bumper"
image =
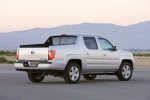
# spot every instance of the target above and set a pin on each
(41, 66)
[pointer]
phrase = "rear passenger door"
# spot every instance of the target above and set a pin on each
(92, 54)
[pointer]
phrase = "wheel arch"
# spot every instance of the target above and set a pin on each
(128, 61)
(77, 61)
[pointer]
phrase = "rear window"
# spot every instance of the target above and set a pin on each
(61, 40)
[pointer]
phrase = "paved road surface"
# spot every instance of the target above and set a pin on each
(15, 85)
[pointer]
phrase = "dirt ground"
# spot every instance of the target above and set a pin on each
(140, 61)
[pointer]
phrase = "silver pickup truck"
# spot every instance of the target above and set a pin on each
(71, 55)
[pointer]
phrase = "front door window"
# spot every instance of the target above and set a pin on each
(105, 44)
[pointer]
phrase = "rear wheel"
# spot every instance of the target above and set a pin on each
(72, 73)
(125, 72)
(89, 76)
(35, 77)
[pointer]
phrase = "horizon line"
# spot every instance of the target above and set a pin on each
(71, 24)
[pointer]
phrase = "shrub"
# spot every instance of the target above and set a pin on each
(140, 54)
(3, 60)
(2, 52)
(7, 53)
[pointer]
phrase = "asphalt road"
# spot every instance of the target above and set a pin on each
(15, 85)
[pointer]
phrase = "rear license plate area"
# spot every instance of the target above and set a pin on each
(33, 64)
(30, 64)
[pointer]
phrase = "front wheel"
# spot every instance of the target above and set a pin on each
(125, 72)
(35, 77)
(89, 76)
(72, 73)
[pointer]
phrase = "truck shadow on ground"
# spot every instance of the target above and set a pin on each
(80, 82)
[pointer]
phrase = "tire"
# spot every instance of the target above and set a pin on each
(72, 73)
(89, 76)
(125, 72)
(35, 77)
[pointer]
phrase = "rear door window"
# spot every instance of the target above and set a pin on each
(90, 42)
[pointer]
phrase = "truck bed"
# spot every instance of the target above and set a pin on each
(33, 45)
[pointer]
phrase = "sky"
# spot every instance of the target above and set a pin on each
(27, 14)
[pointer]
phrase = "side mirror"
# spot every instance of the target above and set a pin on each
(115, 48)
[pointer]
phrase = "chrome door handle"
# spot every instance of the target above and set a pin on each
(104, 54)
(87, 53)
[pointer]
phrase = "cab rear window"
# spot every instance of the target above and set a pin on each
(61, 40)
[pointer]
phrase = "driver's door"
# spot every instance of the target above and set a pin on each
(110, 57)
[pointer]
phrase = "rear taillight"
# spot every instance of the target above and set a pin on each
(51, 54)
(17, 54)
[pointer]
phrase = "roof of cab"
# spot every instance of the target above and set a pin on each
(77, 34)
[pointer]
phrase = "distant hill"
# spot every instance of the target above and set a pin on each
(135, 36)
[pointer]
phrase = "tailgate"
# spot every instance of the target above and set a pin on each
(34, 54)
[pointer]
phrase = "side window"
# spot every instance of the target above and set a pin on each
(105, 44)
(90, 42)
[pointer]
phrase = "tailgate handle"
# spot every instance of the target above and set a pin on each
(32, 52)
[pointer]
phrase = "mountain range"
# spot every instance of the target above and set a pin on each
(136, 36)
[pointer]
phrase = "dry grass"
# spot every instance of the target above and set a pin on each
(142, 61)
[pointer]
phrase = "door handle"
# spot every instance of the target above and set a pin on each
(105, 54)
(87, 53)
